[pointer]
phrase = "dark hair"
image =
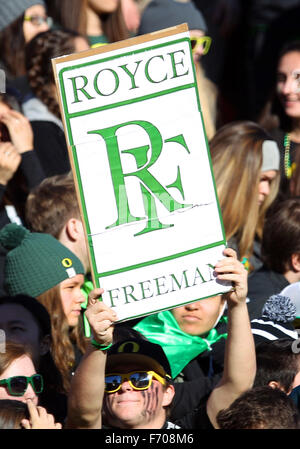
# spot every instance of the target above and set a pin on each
(114, 26)
(39, 52)
(69, 14)
(51, 204)
(11, 413)
(12, 44)
(277, 362)
(281, 235)
(260, 408)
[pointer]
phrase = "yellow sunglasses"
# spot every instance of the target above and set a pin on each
(204, 41)
(138, 380)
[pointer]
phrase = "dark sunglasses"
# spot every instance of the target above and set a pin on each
(138, 380)
(17, 385)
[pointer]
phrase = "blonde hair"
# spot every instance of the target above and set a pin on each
(236, 151)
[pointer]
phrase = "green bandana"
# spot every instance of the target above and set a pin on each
(180, 348)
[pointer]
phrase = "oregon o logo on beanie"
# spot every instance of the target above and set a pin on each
(134, 347)
(70, 270)
(67, 263)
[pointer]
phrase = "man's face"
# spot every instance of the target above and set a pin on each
(132, 409)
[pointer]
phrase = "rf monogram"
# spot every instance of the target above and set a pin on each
(151, 189)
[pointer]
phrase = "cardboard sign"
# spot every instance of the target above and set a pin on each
(143, 173)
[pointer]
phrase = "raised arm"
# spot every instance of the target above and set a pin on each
(20, 130)
(87, 387)
(240, 360)
(21, 135)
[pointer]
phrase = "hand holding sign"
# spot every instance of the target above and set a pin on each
(100, 318)
(231, 269)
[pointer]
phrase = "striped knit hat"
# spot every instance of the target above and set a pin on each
(276, 321)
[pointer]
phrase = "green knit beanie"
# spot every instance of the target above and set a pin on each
(35, 262)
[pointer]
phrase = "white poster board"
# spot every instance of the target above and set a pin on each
(143, 173)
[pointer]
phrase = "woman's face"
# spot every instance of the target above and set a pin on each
(264, 186)
(199, 317)
(22, 366)
(30, 27)
(288, 83)
(103, 6)
(72, 298)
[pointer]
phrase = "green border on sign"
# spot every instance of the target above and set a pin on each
(70, 116)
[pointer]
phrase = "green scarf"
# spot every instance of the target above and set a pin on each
(180, 347)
